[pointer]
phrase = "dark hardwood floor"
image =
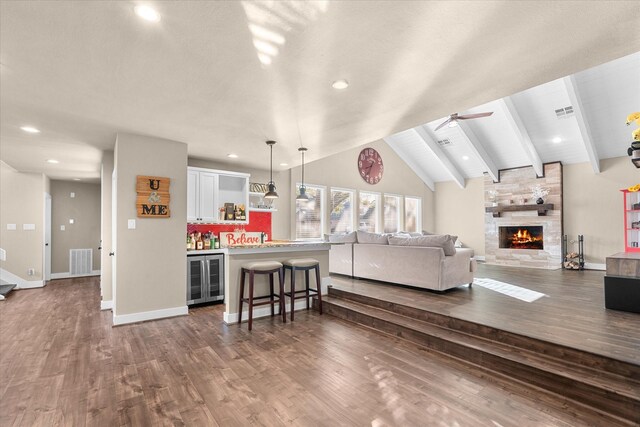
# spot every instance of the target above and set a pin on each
(61, 363)
(572, 313)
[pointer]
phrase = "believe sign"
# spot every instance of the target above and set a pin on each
(153, 197)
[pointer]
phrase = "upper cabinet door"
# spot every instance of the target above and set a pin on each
(193, 213)
(208, 186)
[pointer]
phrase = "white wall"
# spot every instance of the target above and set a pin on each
(150, 261)
(22, 202)
(593, 205)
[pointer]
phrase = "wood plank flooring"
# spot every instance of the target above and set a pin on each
(572, 313)
(61, 363)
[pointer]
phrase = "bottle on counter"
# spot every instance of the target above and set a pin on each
(188, 241)
(216, 243)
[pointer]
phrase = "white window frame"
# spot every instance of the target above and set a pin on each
(354, 206)
(418, 216)
(323, 210)
(379, 208)
(400, 210)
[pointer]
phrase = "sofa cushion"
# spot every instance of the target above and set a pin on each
(416, 234)
(443, 241)
(365, 237)
(343, 238)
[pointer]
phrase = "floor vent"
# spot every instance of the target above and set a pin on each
(80, 261)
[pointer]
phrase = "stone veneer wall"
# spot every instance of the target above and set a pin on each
(515, 185)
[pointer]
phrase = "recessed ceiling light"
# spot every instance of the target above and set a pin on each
(147, 13)
(340, 84)
(232, 156)
(284, 164)
(30, 129)
(465, 157)
(76, 179)
(556, 140)
(54, 161)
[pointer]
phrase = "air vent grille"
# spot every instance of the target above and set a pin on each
(445, 142)
(565, 112)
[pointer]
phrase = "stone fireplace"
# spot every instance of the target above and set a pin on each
(521, 237)
(519, 232)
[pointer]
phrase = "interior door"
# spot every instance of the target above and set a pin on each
(47, 237)
(114, 234)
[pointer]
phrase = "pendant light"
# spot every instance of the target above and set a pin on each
(271, 194)
(303, 190)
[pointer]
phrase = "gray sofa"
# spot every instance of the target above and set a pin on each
(369, 257)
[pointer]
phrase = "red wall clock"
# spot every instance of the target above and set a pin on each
(370, 166)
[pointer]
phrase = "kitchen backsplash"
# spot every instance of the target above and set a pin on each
(258, 221)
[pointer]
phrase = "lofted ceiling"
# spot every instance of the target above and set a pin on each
(606, 94)
(225, 76)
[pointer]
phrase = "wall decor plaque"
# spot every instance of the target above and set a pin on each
(153, 196)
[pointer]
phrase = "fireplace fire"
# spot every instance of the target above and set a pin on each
(522, 237)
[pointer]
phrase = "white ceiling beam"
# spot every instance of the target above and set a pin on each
(522, 136)
(477, 147)
(583, 125)
(410, 161)
(440, 155)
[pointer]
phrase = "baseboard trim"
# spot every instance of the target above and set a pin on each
(9, 277)
(67, 275)
(143, 316)
(595, 266)
(106, 305)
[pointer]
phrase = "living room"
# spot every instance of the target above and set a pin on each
(454, 126)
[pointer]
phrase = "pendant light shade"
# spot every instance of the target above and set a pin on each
(303, 190)
(271, 194)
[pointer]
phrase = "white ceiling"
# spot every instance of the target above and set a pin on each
(608, 93)
(83, 71)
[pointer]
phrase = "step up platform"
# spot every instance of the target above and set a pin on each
(585, 380)
(5, 290)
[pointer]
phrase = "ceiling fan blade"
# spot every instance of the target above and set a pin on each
(474, 116)
(446, 122)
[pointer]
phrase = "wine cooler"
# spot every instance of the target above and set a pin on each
(205, 278)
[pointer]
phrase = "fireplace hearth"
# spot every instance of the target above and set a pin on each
(521, 237)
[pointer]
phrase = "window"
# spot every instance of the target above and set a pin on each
(412, 214)
(310, 214)
(368, 212)
(341, 211)
(391, 214)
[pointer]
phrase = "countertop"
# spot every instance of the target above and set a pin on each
(272, 246)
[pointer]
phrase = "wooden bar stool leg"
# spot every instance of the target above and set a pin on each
(293, 291)
(306, 280)
(241, 296)
(251, 276)
(283, 307)
(271, 294)
(319, 287)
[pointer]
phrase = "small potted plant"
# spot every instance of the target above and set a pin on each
(539, 193)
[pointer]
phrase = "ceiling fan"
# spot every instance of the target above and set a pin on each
(453, 118)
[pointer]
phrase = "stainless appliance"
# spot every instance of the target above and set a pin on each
(205, 278)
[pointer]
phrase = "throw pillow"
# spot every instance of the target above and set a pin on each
(365, 237)
(343, 238)
(443, 241)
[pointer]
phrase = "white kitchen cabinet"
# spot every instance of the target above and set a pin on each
(209, 189)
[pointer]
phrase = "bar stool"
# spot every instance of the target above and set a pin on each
(262, 267)
(303, 264)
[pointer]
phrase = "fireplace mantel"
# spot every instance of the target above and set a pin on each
(542, 209)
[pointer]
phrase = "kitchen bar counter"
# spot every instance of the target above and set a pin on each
(278, 250)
